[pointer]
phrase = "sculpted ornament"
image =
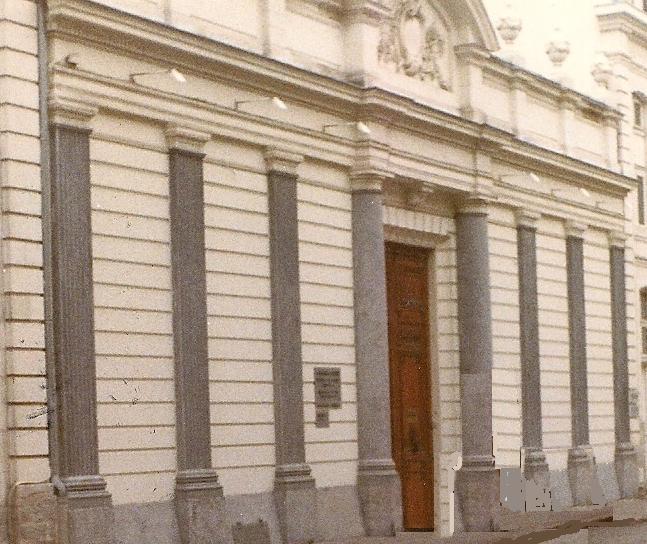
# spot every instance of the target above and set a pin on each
(414, 41)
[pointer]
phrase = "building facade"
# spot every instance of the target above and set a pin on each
(315, 269)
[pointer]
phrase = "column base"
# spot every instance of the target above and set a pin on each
(626, 461)
(582, 476)
(537, 476)
(295, 496)
(380, 497)
(477, 489)
(84, 511)
(200, 508)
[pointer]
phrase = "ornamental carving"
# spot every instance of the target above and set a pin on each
(415, 42)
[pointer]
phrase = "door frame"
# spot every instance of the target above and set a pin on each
(429, 242)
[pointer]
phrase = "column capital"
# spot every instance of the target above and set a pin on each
(367, 181)
(282, 161)
(527, 218)
(185, 139)
(70, 113)
(617, 238)
(575, 229)
(476, 203)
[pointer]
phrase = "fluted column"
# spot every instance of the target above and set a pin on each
(535, 467)
(581, 469)
(625, 454)
(377, 479)
(477, 482)
(294, 486)
(85, 505)
(199, 501)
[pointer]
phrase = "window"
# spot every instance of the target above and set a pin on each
(638, 113)
(641, 200)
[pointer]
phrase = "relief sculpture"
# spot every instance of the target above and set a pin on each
(414, 41)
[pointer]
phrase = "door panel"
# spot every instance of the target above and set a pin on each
(408, 309)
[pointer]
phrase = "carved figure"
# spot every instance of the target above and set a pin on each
(414, 42)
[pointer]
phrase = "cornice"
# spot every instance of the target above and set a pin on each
(624, 18)
(105, 27)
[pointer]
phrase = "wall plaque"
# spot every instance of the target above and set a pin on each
(322, 419)
(634, 402)
(327, 388)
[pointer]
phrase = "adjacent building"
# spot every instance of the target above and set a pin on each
(310, 270)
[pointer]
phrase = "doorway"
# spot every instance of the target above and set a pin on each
(411, 429)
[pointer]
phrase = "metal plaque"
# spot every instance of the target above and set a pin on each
(634, 399)
(322, 420)
(327, 387)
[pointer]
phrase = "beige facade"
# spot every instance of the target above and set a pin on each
(444, 127)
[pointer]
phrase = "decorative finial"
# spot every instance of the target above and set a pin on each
(558, 48)
(602, 71)
(510, 24)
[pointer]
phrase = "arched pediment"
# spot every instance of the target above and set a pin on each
(470, 21)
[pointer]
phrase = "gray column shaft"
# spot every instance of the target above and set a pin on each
(72, 303)
(619, 343)
(286, 319)
(529, 338)
(189, 311)
(577, 340)
(371, 339)
(475, 335)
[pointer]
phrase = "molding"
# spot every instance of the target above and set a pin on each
(281, 161)
(367, 182)
(416, 221)
(617, 238)
(527, 218)
(70, 113)
(74, 20)
(369, 12)
(184, 139)
(575, 229)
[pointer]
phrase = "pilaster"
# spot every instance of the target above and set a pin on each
(377, 479)
(581, 466)
(84, 504)
(535, 466)
(477, 482)
(362, 19)
(295, 492)
(626, 459)
(199, 500)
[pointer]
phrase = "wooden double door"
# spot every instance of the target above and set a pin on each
(411, 430)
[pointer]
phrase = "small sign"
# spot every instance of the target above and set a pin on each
(327, 387)
(634, 401)
(322, 420)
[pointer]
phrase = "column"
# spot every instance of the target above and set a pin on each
(581, 469)
(199, 501)
(85, 506)
(477, 482)
(535, 467)
(294, 487)
(377, 479)
(626, 462)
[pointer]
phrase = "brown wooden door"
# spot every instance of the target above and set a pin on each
(408, 307)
